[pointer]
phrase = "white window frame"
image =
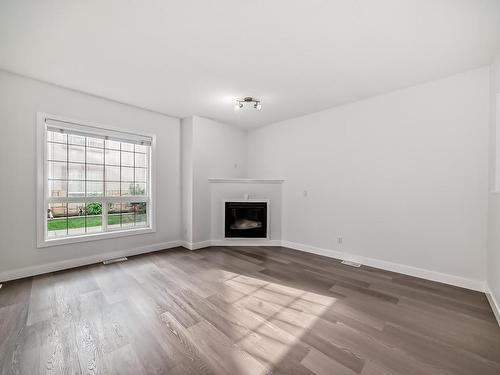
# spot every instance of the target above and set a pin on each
(42, 182)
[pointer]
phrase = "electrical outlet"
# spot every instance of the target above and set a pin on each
(340, 240)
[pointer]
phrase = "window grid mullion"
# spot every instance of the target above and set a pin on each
(76, 144)
(104, 204)
(129, 199)
(67, 184)
(121, 194)
(135, 184)
(104, 212)
(85, 182)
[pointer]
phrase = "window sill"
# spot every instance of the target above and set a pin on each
(94, 237)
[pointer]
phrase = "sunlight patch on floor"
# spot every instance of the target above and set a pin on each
(276, 315)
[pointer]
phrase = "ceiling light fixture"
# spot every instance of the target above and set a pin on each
(241, 103)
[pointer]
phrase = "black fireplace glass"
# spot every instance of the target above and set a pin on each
(246, 220)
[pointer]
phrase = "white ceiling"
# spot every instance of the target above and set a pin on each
(196, 56)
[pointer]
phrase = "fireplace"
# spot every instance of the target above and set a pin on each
(245, 219)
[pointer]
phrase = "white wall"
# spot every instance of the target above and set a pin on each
(20, 99)
(493, 259)
(187, 179)
(217, 150)
(401, 177)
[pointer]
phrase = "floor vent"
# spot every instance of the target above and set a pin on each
(116, 260)
(352, 264)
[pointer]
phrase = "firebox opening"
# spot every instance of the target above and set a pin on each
(246, 219)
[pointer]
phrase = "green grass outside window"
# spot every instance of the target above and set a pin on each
(92, 221)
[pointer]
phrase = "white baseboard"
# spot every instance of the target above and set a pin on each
(71, 263)
(395, 267)
(246, 242)
(495, 306)
(195, 245)
(230, 242)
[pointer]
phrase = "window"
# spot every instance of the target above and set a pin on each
(96, 182)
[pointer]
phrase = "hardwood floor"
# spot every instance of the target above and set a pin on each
(243, 310)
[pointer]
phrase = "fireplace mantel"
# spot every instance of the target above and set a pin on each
(219, 180)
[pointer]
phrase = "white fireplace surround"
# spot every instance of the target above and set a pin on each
(245, 190)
